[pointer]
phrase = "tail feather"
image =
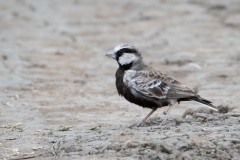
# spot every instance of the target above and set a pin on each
(204, 101)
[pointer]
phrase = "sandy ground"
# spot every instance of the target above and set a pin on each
(58, 97)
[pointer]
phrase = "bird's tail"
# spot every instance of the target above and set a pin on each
(204, 101)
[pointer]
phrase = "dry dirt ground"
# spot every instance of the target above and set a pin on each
(58, 97)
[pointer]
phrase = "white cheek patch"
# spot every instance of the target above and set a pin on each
(127, 58)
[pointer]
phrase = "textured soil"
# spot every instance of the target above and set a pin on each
(57, 89)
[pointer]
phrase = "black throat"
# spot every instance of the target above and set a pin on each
(125, 66)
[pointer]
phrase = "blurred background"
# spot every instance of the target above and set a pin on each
(55, 76)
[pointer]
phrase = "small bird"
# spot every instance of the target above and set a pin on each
(147, 87)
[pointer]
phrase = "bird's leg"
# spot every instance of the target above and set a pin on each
(166, 116)
(143, 122)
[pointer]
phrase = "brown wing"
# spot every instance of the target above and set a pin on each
(156, 85)
(178, 90)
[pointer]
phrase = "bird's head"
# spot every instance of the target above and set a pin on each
(127, 56)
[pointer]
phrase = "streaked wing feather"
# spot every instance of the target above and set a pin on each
(148, 85)
(158, 86)
(178, 90)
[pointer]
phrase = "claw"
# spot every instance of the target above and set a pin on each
(142, 123)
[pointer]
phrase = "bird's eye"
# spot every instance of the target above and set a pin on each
(119, 54)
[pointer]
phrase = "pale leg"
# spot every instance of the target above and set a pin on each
(143, 122)
(166, 116)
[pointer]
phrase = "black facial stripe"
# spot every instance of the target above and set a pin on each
(118, 54)
(125, 50)
(128, 50)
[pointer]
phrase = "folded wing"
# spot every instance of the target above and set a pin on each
(157, 85)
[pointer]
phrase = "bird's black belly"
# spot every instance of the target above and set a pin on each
(124, 91)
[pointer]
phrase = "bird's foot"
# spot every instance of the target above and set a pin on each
(142, 124)
(163, 122)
